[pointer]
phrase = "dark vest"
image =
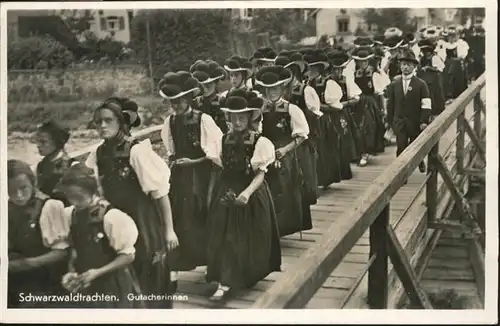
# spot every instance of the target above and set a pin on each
(364, 80)
(186, 134)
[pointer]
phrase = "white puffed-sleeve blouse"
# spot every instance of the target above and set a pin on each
(152, 171)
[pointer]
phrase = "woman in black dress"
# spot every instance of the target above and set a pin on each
(243, 243)
(135, 180)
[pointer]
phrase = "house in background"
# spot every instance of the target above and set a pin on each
(343, 23)
(104, 23)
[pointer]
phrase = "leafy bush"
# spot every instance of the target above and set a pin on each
(38, 52)
(180, 37)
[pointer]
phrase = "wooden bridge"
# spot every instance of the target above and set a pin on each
(360, 223)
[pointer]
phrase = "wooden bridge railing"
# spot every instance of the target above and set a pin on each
(296, 287)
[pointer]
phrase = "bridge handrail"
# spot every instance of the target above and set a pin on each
(297, 285)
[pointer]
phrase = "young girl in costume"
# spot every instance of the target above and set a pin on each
(192, 141)
(50, 138)
(243, 243)
(329, 166)
(37, 239)
(368, 112)
(306, 98)
(135, 180)
(209, 73)
(286, 126)
(343, 94)
(102, 241)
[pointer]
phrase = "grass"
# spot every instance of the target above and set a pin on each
(24, 117)
(76, 115)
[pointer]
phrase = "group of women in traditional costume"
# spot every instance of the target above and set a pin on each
(242, 169)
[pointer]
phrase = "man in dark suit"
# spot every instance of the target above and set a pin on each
(408, 104)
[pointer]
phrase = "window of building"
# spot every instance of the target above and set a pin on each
(342, 25)
(247, 13)
(113, 23)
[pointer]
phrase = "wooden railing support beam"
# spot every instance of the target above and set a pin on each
(480, 148)
(378, 275)
(459, 152)
(405, 272)
(478, 108)
(431, 195)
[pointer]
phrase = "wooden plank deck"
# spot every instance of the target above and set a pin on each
(331, 204)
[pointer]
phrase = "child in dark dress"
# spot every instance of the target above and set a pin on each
(50, 140)
(243, 243)
(285, 125)
(135, 180)
(37, 245)
(102, 240)
(192, 142)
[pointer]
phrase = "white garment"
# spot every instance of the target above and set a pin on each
(54, 226)
(298, 121)
(210, 137)
(438, 63)
(333, 94)
(120, 229)
(416, 50)
(263, 155)
(380, 82)
(312, 100)
(461, 46)
(152, 171)
(441, 49)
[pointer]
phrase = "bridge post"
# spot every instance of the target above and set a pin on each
(477, 115)
(431, 191)
(461, 121)
(378, 275)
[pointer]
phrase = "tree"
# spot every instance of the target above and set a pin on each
(288, 22)
(180, 37)
(389, 17)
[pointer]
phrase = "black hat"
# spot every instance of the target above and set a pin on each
(408, 56)
(242, 100)
(410, 38)
(338, 59)
(289, 58)
(178, 84)
(58, 132)
(363, 41)
(316, 57)
(237, 63)
(393, 32)
(273, 76)
(207, 71)
(379, 39)
(362, 54)
(266, 54)
(393, 42)
(430, 33)
(124, 108)
(427, 45)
